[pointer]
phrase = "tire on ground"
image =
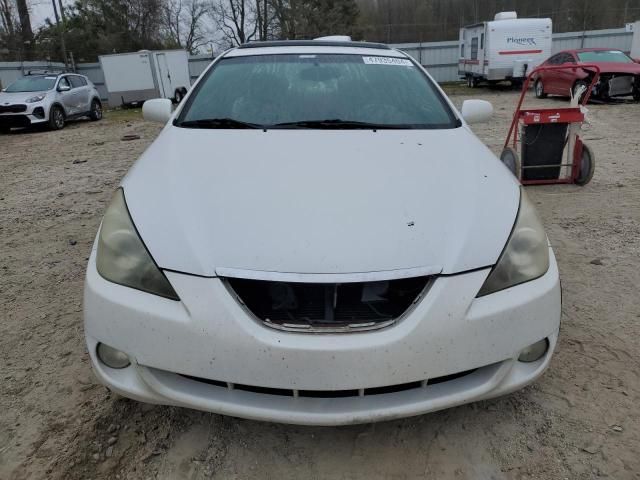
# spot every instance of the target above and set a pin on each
(56, 118)
(587, 166)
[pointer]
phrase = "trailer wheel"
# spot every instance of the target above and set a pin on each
(587, 166)
(539, 89)
(472, 82)
(509, 157)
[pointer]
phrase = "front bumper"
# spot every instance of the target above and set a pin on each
(36, 113)
(209, 338)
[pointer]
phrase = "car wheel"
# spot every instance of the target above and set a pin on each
(539, 88)
(510, 159)
(576, 88)
(587, 166)
(96, 111)
(56, 118)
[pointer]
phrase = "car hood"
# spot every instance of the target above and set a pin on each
(619, 67)
(17, 97)
(321, 202)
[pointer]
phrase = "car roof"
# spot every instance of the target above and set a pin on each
(35, 74)
(595, 49)
(314, 43)
(314, 46)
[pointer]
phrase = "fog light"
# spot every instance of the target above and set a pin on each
(534, 351)
(111, 357)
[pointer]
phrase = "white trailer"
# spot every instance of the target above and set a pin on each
(506, 48)
(132, 78)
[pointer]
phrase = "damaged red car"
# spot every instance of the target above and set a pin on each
(619, 74)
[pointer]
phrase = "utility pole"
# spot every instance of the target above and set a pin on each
(61, 28)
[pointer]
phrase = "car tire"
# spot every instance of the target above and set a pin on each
(539, 89)
(587, 166)
(95, 113)
(56, 118)
(509, 157)
(576, 86)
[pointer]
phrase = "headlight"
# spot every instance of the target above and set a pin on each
(36, 98)
(122, 257)
(526, 255)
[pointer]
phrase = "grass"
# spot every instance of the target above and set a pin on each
(455, 88)
(123, 114)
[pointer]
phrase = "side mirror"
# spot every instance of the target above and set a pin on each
(63, 88)
(476, 111)
(157, 110)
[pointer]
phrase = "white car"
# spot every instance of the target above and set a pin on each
(317, 237)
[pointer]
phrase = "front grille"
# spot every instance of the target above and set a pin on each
(361, 392)
(328, 307)
(13, 108)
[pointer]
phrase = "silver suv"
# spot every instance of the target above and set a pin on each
(48, 99)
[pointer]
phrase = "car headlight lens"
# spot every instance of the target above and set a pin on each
(122, 257)
(36, 98)
(526, 255)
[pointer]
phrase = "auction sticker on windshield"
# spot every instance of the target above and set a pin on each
(401, 62)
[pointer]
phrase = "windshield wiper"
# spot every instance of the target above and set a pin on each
(339, 124)
(217, 123)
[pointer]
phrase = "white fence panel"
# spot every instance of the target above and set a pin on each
(197, 65)
(93, 71)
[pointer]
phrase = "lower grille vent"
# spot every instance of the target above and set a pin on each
(363, 392)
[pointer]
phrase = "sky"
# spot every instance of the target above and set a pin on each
(41, 9)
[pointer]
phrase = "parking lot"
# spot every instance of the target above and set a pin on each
(581, 420)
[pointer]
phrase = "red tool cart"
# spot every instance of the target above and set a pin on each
(551, 150)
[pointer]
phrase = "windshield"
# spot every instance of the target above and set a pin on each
(32, 84)
(316, 91)
(604, 56)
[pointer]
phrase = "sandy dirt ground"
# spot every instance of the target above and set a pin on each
(580, 421)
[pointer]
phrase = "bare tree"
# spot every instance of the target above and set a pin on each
(7, 17)
(236, 19)
(183, 21)
(264, 18)
(8, 21)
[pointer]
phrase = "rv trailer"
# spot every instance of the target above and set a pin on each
(506, 48)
